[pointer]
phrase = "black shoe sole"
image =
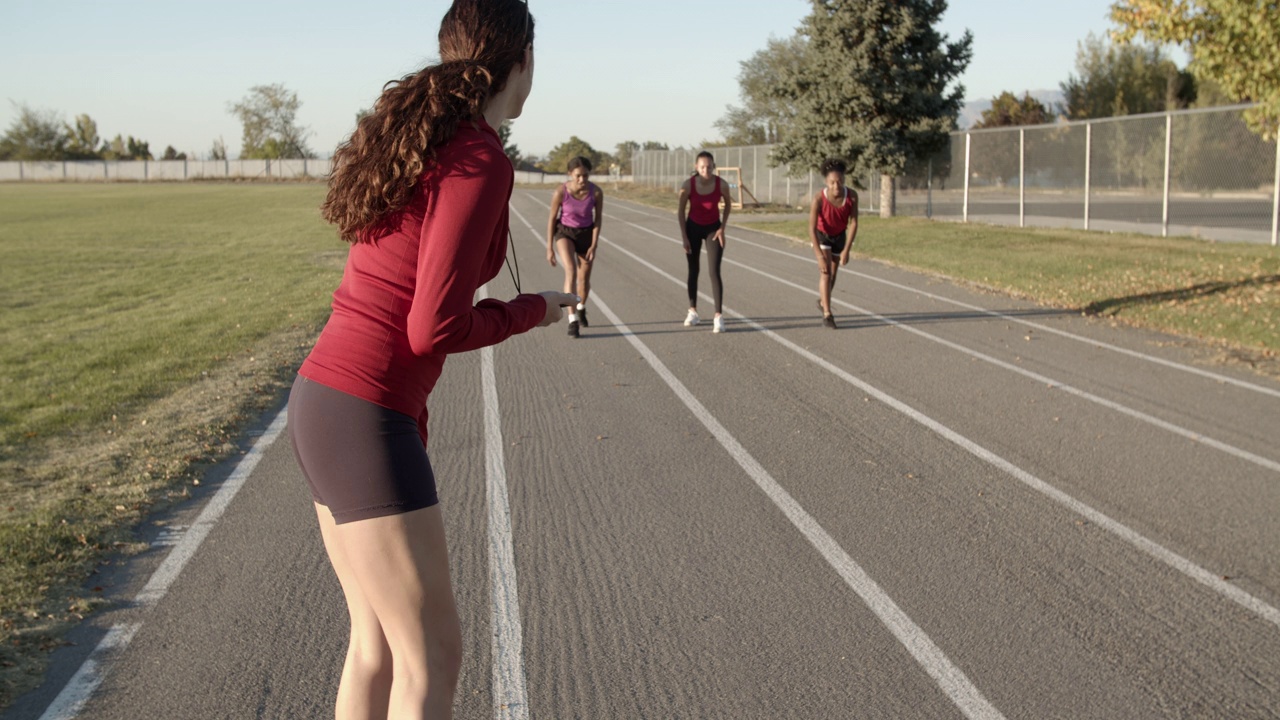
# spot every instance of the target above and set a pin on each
(573, 329)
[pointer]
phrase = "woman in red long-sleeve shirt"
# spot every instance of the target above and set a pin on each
(420, 190)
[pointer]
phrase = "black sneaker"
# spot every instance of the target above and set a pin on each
(573, 329)
(829, 321)
(582, 317)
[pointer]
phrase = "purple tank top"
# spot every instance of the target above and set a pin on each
(578, 213)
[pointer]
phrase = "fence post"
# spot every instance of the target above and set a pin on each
(105, 176)
(968, 145)
(184, 168)
(788, 184)
(1168, 151)
(1275, 199)
(21, 175)
(1022, 178)
(64, 169)
(770, 184)
(1088, 165)
(928, 183)
(146, 170)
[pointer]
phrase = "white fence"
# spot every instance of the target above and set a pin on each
(165, 170)
(160, 170)
(1201, 173)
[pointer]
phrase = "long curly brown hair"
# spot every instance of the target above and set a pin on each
(376, 170)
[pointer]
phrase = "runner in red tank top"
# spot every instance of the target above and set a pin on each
(832, 217)
(700, 196)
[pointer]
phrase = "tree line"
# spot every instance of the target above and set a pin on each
(871, 82)
(268, 116)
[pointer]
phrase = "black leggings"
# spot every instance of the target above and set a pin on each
(697, 233)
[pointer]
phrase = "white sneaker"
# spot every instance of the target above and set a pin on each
(717, 325)
(692, 318)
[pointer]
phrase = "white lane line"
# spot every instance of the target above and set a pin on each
(71, 700)
(1048, 381)
(81, 686)
(1011, 318)
(1150, 547)
(930, 657)
(510, 701)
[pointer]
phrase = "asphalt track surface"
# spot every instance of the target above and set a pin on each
(955, 505)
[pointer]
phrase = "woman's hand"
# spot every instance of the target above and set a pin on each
(556, 302)
(720, 236)
(551, 257)
(687, 248)
(844, 258)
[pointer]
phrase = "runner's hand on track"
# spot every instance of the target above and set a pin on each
(556, 302)
(551, 257)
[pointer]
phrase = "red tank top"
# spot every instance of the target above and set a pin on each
(704, 209)
(834, 220)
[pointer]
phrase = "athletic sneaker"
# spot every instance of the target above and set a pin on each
(573, 329)
(717, 325)
(829, 321)
(582, 317)
(692, 318)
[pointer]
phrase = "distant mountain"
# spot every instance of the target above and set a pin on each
(972, 110)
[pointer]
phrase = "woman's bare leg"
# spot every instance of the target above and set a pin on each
(569, 261)
(365, 689)
(584, 279)
(401, 564)
(826, 272)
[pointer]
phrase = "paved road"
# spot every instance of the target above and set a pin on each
(956, 505)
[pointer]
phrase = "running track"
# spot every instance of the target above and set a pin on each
(956, 505)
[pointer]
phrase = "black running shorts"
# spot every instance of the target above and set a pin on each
(580, 237)
(361, 460)
(833, 243)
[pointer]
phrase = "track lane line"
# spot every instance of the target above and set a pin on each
(1212, 581)
(510, 699)
(949, 678)
(1187, 433)
(996, 313)
(81, 687)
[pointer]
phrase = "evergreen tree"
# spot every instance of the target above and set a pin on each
(873, 87)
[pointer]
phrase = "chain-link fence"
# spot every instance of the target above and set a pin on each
(1193, 172)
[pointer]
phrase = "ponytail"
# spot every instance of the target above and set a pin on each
(377, 169)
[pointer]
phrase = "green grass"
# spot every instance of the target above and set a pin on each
(1224, 293)
(143, 325)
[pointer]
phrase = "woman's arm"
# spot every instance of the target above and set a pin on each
(853, 227)
(557, 198)
(598, 226)
(682, 215)
(727, 196)
(815, 207)
(464, 215)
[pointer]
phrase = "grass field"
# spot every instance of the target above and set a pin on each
(143, 325)
(1227, 294)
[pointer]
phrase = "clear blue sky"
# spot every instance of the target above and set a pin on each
(606, 71)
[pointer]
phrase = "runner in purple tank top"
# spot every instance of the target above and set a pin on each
(573, 233)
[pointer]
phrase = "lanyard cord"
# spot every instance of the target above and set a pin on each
(511, 253)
